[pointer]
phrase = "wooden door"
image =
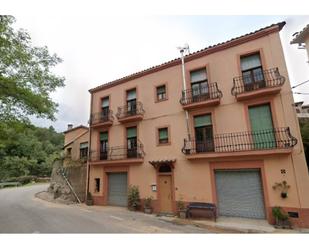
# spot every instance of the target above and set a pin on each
(165, 188)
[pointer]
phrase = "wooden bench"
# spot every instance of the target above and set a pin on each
(202, 210)
(8, 184)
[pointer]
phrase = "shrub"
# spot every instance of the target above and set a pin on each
(133, 197)
(278, 214)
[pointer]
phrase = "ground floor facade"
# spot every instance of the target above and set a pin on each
(239, 187)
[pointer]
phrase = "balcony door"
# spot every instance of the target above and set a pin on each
(252, 72)
(103, 145)
(262, 127)
(199, 85)
(131, 102)
(105, 109)
(132, 142)
(204, 141)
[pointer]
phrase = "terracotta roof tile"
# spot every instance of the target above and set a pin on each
(187, 58)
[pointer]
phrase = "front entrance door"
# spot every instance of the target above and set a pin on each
(165, 188)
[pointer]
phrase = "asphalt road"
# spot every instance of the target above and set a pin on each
(22, 212)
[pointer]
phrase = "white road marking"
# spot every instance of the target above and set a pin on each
(115, 217)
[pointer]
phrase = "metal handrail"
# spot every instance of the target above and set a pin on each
(130, 110)
(266, 79)
(101, 117)
(118, 153)
(277, 138)
(211, 91)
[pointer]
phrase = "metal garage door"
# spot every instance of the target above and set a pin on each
(117, 189)
(240, 193)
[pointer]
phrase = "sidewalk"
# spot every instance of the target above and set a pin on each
(234, 225)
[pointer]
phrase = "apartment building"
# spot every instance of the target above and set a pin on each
(225, 137)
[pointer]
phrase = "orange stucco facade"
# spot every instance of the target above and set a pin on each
(192, 175)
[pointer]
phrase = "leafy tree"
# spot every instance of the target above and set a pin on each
(26, 79)
(27, 150)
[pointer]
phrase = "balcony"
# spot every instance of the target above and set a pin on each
(248, 143)
(201, 97)
(257, 84)
(130, 113)
(119, 155)
(101, 119)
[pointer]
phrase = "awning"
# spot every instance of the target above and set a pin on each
(157, 163)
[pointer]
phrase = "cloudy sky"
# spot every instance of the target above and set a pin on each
(97, 49)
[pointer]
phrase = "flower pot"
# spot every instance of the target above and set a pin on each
(284, 195)
(182, 214)
(148, 210)
(89, 202)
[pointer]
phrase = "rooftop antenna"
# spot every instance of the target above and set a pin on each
(182, 50)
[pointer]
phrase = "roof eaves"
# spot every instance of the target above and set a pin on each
(210, 49)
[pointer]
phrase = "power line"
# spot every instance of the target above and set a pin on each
(300, 84)
(300, 93)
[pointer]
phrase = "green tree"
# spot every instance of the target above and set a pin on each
(27, 150)
(26, 79)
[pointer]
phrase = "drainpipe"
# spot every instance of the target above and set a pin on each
(182, 49)
(89, 149)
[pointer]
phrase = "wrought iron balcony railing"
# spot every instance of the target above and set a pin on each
(101, 117)
(118, 153)
(257, 80)
(204, 93)
(278, 138)
(130, 110)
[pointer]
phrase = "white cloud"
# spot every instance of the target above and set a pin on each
(98, 49)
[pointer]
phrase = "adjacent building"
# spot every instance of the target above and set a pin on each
(302, 39)
(226, 136)
(302, 110)
(75, 144)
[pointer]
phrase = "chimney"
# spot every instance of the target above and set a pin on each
(70, 126)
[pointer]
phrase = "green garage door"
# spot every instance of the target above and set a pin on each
(240, 194)
(117, 189)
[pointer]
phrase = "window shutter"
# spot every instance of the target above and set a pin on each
(163, 133)
(202, 120)
(250, 61)
(131, 132)
(198, 75)
(131, 94)
(103, 136)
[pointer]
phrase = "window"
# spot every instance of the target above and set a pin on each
(262, 126)
(132, 142)
(252, 71)
(199, 82)
(105, 108)
(103, 145)
(97, 185)
(161, 93)
(163, 135)
(83, 150)
(203, 133)
(131, 102)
